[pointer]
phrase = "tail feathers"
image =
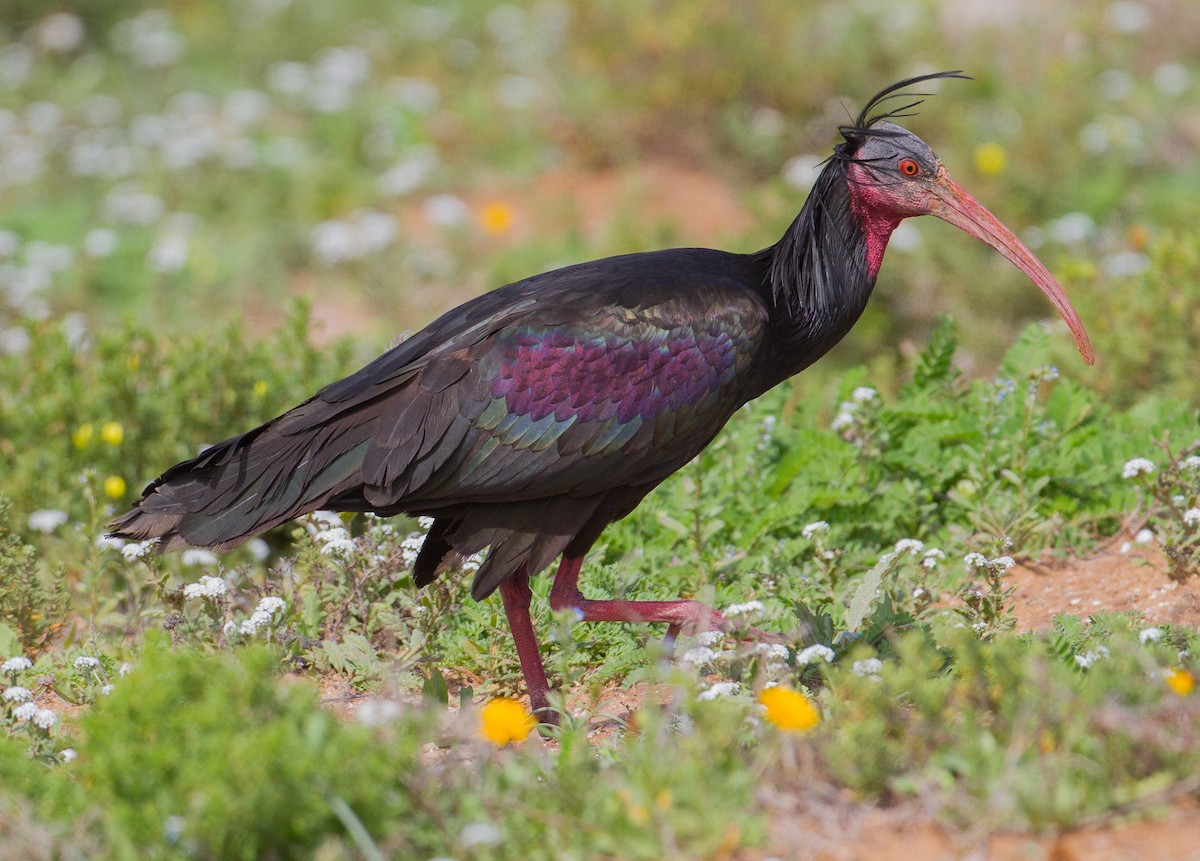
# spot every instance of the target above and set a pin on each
(248, 484)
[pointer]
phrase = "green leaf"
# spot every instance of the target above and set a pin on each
(435, 688)
(867, 590)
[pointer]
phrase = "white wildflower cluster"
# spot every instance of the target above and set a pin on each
(868, 667)
(751, 610)
(1191, 464)
(773, 655)
(699, 656)
(31, 713)
(815, 529)
(336, 542)
(848, 411)
(719, 689)
(262, 617)
(977, 562)
(47, 520)
(909, 545)
(1191, 518)
(410, 547)
(139, 549)
(86, 663)
(17, 694)
(1136, 467)
(1150, 635)
(814, 653)
(361, 234)
(932, 557)
(1088, 658)
(16, 665)
(198, 557)
(208, 587)
(472, 563)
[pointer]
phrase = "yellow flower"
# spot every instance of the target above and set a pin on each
(789, 710)
(112, 433)
(496, 217)
(260, 388)
(114, 487)
(505, 720)
(990, 159)
(1181, 681)
(133, 361)
(82, 436)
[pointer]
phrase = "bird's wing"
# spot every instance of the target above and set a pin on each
(544, 406)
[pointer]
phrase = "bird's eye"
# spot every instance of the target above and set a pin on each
(908, 167)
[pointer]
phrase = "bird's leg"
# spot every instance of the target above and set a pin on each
(681, 616)
(516, 595)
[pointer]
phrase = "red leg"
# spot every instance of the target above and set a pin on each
(690, 617)
(516, 595)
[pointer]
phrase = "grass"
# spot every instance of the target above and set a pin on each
(168, 173)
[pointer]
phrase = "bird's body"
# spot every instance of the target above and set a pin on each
(528, 419)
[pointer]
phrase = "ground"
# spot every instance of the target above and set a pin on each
(827, 826)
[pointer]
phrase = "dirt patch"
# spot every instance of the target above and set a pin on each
(1109, 580)
(833, 829)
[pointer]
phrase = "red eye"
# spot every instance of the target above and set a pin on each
(908, 167)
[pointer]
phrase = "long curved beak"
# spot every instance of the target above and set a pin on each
(952, 203)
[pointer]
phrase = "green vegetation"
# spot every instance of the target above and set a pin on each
(193, 196)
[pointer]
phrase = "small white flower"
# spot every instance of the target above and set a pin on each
(1091, 656)
(378, 711)
(1003, 562)
(86, 663)
(910, 545)
(109, 542)
(68, 754)
(867, 667)
(710, 638)
(479, 834)
(45, 718)
(138, 549)
(25, 711)
(749, 608)
(975, 561)
(100, 242)
(125, 669)
(919, 592)
(1191, 517)
(105, 690)
(425, 523)
(815, 653)
(698, 656)
(1150, 635)
(337, 542)
(1144, 536)
(812, 530)
(258, 548)
(1137, 466)
(863, 394)
(230, 628)
(932, 557)
(1191, 463)
(271, 604)
(17, 694)
(16, 665)
(47, 519)
(772, 653)
(843, 420)
(198, 557)
(208, 587)
(472, 563)
(718, 689)
(411, 546)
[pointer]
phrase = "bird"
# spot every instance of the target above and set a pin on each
(526, 420)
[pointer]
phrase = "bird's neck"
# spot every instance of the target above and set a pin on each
(821, 272)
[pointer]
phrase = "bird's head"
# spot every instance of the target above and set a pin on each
(893, 175)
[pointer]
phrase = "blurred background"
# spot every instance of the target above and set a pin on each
(178, 165)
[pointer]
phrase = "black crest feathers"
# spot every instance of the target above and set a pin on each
(863, 124)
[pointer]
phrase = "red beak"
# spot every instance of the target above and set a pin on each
(953, 204)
